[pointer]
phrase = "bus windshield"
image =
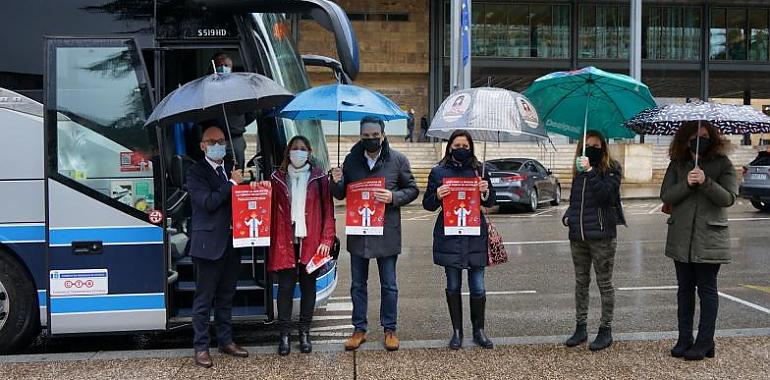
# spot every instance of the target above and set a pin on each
(288, 70)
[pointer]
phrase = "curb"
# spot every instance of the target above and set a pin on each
(338, 347)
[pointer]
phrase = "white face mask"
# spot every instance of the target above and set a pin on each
(298, 157)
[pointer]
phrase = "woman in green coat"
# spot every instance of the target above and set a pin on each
(698, 238)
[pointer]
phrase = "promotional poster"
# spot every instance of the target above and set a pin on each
(251, 216)
(365, 215)
(462, 211)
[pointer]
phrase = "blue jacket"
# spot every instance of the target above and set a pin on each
(594, 205)
(456, 251)
(211, 211)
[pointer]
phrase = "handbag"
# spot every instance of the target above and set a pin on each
(496, 253)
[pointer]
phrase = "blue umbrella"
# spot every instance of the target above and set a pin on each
(341, 102)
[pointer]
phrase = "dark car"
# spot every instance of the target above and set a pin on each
(756, 181)
(523, 181)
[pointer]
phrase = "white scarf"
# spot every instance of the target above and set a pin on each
(298, 178)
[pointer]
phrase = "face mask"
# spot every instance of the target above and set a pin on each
(224, 69)
(298, 157)
(215, 152)
(461, 155)
(371, 145)
(705, 143)
(594, 155)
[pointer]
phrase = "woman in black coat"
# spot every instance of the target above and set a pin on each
(456, 253)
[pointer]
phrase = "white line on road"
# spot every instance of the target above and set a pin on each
(339, 298)
(744, 302)
(667, 287)
(655, 209)
(331, 328)
(541, 213)
(330, 317)
(506, 293)
(339, 306)
(745, 219)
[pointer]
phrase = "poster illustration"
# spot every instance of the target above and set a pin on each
(461, 207)
(364, 214)
(134, 162)
(251, 216)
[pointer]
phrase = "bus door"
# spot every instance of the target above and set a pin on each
(105, 241)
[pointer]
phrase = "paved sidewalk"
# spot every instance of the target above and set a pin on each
(737, 358)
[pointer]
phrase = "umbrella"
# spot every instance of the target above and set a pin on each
(215, 95)
(729, 119)
(341, 102)
(488, 114)
(568, 101)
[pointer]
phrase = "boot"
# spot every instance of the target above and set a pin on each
(305, 346)
(478, 306)
(579, 337)
(682, 345)
(700, 350)
(455, 303)
(603, 339)
(284, 345)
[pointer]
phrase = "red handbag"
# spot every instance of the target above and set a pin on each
(496, 254)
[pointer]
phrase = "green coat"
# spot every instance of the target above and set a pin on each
(697, 228)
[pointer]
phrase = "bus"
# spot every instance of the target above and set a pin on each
(95, 215)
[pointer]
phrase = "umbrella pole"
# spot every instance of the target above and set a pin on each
(339, 134)
(229, 137)
(585, 124)
(484, 162)
(697, 146)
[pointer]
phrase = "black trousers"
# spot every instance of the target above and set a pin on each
(703, 277)
(215, 284)
(287, 279)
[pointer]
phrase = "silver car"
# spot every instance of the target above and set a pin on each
(756, 181)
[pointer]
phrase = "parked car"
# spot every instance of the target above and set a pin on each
(756, 181)
(523, 181)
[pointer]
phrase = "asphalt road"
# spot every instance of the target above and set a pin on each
(532, 295)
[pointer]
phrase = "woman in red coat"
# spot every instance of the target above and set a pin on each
(302, 226)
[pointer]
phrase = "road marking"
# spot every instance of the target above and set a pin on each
(746, 303)
(765, 289)
(655, 209)
(506, 293)
(331, 328)
(667, 287)
(540, 213)
(339, 298)
(746, 219)
(339, 306)
(330, 317)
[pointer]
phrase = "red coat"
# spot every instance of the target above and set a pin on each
(319, 219)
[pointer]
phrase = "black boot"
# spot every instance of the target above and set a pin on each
(455, 303)
(284, 345)
(700, 350)
(682, 345)
(580, 336)
(603, 339)
(305, 346)
(478, 306)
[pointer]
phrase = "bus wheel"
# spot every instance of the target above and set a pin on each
(19, 313)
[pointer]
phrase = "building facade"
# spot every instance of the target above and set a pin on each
(690, 48)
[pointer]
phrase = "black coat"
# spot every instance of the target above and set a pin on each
(594, 205)
(456, 251)
(394, 167)
(211, 211)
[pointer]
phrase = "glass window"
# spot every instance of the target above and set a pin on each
(498, 41)
(671, 33)
(289, 71)
(736, 34)
(587, 31)
(758, 35)
(506, 165)
(718, 49)
(101, 139)
(478, 30)
(518, 32)
(606, 32)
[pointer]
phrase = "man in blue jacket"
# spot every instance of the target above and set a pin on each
(216, 262)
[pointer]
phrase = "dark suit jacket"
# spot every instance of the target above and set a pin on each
(211, 211)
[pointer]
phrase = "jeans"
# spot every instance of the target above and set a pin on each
(287, 279)
(690, 276)
(454, 281)
(359, 268)
(600, 253)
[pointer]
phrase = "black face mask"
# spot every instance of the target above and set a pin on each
(461, 155)
(594, 155)
(371, 145)
(699, 149)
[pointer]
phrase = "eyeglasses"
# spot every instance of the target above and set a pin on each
(212, 142)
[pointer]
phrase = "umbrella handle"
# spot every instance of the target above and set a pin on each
(229, 136)
(585, 124)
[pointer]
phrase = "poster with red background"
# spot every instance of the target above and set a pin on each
(461, 207)
(251, 216)
(134, 162)
(364, 215)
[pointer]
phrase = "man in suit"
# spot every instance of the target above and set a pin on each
(216, 262)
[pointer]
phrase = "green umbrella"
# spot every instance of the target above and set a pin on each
(572, 102)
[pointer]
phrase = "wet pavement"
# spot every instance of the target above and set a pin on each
(530, 296)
